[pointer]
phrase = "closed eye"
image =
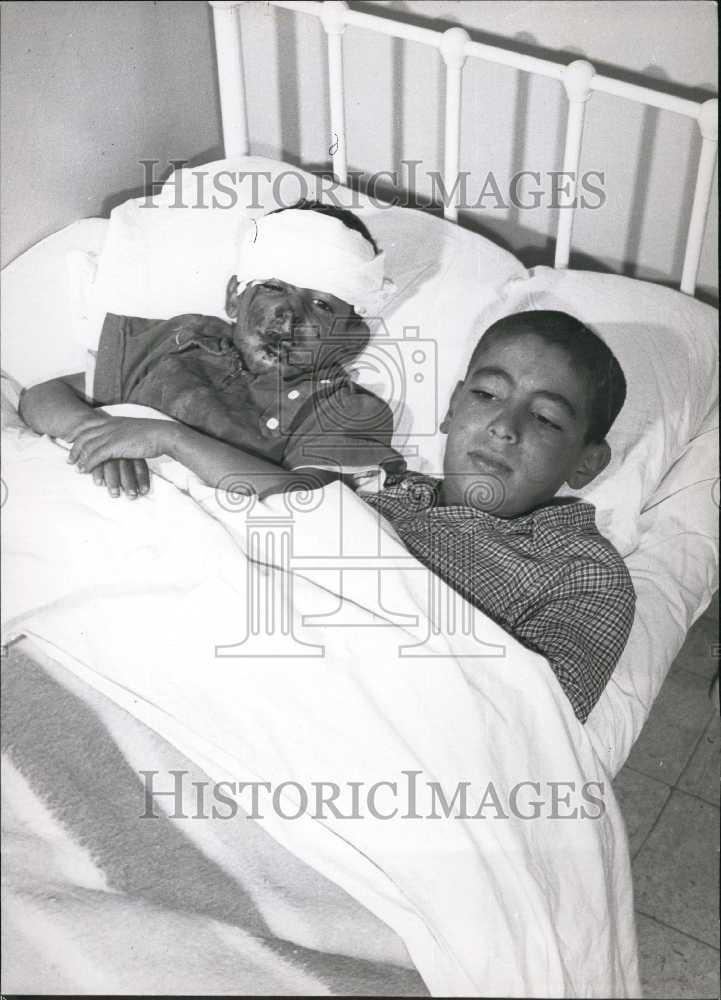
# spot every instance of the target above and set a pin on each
(483, 393)
(271, 286)
(546, 422)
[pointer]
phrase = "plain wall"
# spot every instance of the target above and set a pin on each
(510, 121)
(88, 90)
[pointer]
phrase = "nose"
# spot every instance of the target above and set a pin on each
(504, 427)
(290, 313)
(285, 320)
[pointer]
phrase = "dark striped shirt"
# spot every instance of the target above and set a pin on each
(189, 368)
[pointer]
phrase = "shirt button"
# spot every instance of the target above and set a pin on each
(272, 423)
(293, 394)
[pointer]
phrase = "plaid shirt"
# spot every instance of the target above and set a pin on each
(547, 577)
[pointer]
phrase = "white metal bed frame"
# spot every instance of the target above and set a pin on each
(579, 80)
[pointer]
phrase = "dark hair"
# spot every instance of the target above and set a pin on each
(344, 215)
(587, 353)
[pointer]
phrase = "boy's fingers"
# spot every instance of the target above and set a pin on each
(97, 454)
(127, 478)
(81, 442)
(142, 475)
(112, 477)
(88, 424)
(98, 477)
(92, 454)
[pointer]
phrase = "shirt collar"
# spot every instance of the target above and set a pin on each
(422, 494)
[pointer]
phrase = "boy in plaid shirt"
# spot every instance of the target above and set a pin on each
(532, 413)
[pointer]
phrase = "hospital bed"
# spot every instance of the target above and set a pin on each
(154, 650)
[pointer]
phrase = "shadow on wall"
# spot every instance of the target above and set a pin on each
(525, 44)
(531, 246)
(160, 174)
(649, 131)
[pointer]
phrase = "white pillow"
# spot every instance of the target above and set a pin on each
(675, 575)
(175, 258)
(43, 303)
(667, 346)
(420, 348)
(171, 254)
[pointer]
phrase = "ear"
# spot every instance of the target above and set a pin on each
(451, 407)
(231, 297)
(594, 459)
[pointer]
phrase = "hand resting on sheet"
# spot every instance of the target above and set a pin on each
(58, 408)
(114, 449)
(97, 442)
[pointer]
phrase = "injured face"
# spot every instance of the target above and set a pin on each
(304, 282)
(298, 329)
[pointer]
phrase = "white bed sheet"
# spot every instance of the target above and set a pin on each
(546, 893)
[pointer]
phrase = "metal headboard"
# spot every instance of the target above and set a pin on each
(579, 80)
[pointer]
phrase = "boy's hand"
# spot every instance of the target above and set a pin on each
(96, 442)
(128, 475)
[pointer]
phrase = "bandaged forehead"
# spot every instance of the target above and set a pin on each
(310, 250)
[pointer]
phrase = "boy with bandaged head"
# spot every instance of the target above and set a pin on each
(253, 398)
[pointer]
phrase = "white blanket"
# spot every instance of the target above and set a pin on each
(149, 603)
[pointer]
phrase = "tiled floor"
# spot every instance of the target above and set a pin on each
(669, 794)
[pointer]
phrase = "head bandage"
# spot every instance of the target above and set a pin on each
(310, 250)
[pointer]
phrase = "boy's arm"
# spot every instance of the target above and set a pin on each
(218, 464)
(583, 634)
(57, 407)
(351, 431)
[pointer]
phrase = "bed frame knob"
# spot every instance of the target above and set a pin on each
(577, 78)
(453, 46)
(333, 16)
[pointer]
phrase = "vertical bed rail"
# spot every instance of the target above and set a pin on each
(579, 80)
(333, 15)
(453, 49)
(576, 80)
(708, 124)
(230, 76)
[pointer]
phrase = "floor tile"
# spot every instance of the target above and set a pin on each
(713, 610)
(700, 652)
(677, 720)
(674, 965)
(676, 873)
(701, 775)
(641, 799)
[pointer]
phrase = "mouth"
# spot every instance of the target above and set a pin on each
(483, 461)
(272, 347)
(285, 351)
(284, 359)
